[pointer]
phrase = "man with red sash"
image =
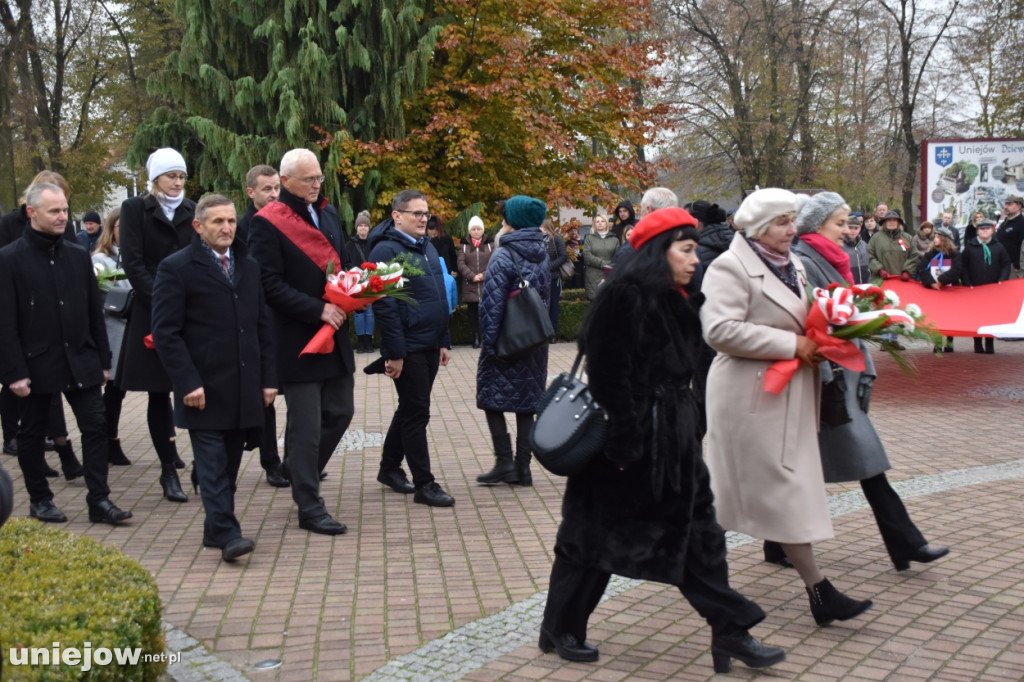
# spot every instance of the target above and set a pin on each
(294, 239)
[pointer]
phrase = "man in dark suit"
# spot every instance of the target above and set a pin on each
(54, 340)
(263, 185)
(296, 239)
(213, 334)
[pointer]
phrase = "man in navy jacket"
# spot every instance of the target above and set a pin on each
(414, 341)
(213, 334)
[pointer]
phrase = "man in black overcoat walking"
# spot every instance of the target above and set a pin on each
(54, 340)
(213, 334)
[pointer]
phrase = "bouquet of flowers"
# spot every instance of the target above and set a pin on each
(105, 277)
(356, 288)
(862, 311)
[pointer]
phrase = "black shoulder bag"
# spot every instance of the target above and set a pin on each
(526, 324)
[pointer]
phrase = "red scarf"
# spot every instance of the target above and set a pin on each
(476, 243)
(831, 252)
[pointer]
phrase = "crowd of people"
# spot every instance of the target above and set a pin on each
(690, 306)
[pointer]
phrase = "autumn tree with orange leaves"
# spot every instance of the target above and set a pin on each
(543, 98)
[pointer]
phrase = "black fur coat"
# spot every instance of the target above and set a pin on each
(640, 522)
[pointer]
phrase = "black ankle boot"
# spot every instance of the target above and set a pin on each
(567, 647)
(69, 464)
(523, 470)
(504, 471)
(115, 455)
(170, 483)
(829, 604)
(735, 642)
(774, 554)
(178, 464)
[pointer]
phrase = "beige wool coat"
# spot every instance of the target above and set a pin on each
(762, 449)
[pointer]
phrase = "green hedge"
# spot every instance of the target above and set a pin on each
(58, 587)
(572, 308)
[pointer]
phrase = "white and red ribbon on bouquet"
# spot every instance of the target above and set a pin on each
(836, 307)
(346, 290)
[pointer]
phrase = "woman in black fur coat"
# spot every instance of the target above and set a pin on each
(643, 507)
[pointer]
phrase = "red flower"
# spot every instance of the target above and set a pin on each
(369, 266)
(376, 284)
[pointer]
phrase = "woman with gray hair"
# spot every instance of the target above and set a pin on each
(850, 447)
(763, 448)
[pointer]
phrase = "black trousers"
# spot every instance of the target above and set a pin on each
(901, 537)
(407, 435)
(10, 413)
(473, 312)
(87, 404)
(319, 412)
(499, 430)
(575, 591)
(269, 458)
(218, 455)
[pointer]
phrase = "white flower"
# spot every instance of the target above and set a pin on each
(913, 310)
(98, 269)
(891, 298)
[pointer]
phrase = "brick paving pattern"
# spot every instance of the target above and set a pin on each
(413, 592)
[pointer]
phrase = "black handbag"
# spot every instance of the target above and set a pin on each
(570, 427)
(526, 324)
(119, 302)
(833, 400)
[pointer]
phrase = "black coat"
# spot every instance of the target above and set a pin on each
(641, 353)
(244, 223)
(13, 224)
(358, 251)
(1011, 234)
(974, 270)
(53, 331)
(408, 328)
(294, 289)
(950, 277)
(445, 247)
(146, 237)
(216, 334)
(513, 386)
(713, 241)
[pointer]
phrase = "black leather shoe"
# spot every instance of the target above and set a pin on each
(324, 525)
(432, 495)
(397, 481)
(105, 512)
(236, 548)
(115, 455)
(171, 485)
(567, 647)
(740, 645)
(47, 512)
(323, 475)
(50, 471)
(924, 555)
(276, 478)
(11, 447)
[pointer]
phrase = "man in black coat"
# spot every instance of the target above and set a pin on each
(1010, 232)
(213, 334)
(263, 185)
(414, 341)
(295, 240)
(54, 340)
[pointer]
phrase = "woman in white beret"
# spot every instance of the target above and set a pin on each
(763, 448)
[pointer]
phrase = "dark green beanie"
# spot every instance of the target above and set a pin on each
(524, 211)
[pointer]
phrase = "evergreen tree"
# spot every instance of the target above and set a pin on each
(256, 78)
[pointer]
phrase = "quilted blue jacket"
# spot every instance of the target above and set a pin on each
(513, 386)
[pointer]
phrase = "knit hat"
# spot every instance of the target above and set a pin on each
(762, 206)
(816, 211)
(706, 212)
(163, 161)
(477, 221)
(891, 215)
(945, 232)
(663, 220)
(363, 218)
(524, 211)
(91, 217)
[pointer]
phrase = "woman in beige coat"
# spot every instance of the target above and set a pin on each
(763, 448)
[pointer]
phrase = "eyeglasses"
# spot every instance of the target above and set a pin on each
(419, 215)
(315, 180)
(174, 177)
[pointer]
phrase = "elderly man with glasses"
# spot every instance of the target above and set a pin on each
(414, 341)
(294, 239)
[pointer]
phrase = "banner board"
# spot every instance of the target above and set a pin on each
(965, 176)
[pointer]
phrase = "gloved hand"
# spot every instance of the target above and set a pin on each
(905, 276)
(864, 388)
(883, 274)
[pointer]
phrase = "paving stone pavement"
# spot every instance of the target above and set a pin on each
(417, 593)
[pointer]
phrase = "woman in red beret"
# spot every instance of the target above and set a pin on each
(643, 507)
